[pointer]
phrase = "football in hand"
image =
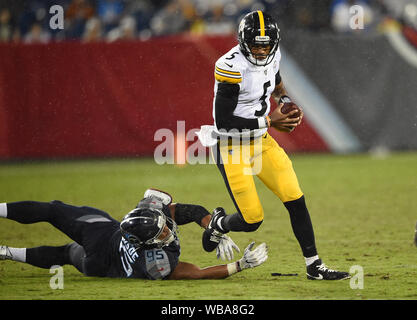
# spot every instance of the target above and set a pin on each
(290, 106)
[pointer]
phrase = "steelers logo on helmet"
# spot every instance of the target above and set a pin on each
(258, 30)
(148, 228)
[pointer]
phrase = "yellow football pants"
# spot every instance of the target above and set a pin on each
(263, 157)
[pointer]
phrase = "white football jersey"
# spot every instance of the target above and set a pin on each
(256, 85)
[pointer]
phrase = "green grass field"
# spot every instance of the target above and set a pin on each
(363, 209)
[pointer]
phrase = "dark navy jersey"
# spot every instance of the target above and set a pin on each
(103, 250)
(155, 263)
(128, 262)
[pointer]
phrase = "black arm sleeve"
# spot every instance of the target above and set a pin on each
(225, 103)
(278, 78)
(186, 213)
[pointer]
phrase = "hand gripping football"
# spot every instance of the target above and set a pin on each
(290, 106)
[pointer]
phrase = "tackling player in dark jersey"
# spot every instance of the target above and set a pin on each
(143, 245)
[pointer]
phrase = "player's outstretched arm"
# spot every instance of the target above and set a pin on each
(181, 213)
(251, 258)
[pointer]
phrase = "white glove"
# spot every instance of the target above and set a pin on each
(225, 248)
(255, 257)
(162, 196)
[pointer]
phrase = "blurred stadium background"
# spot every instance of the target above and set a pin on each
(122, 69)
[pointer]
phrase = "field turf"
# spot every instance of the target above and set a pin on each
(363, 209)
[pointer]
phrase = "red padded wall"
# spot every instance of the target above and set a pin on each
(72, 100)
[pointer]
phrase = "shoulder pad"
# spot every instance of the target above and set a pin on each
(227, 72)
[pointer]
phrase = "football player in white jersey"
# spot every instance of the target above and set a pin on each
(245, 79)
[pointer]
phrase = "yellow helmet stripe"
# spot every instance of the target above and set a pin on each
(261, 23)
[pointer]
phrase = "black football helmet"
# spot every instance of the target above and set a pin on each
(142, 227)
(258, 28)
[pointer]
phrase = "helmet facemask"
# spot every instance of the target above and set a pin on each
(268, 57)
(169, 237)
(145, 231)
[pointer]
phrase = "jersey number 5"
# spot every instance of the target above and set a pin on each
(261, 112)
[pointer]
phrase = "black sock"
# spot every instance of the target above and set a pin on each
(302, 226)
(46, 256)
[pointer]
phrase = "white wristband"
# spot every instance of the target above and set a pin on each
(232, 268)
(262, 123)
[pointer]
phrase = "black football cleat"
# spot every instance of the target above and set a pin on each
(216, 215)
(318, 271)
(212, 235)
